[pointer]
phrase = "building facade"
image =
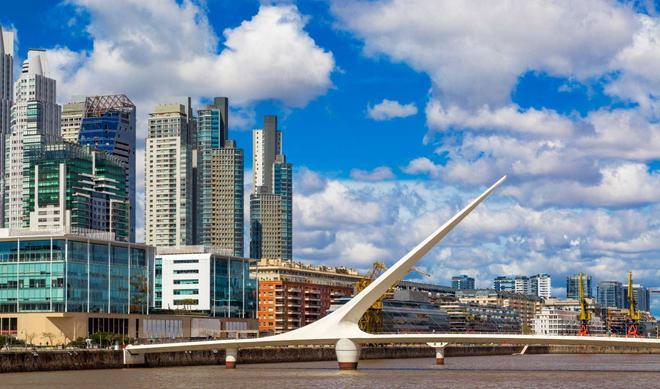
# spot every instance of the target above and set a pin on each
(462, 282)
(504, 284)
(573, 286)
(470, 317)
(610, 294)
(526, 306)
(40, 272)
(227, 216)
(271, 227)
(541, 285)
(522, 285)
(109, 125)
(196, 278)
(558, 322)
(293, 294)
(76, 189)
(642, 296)
(35, 122)
(6, 98)
(71, 121)
(169, 178)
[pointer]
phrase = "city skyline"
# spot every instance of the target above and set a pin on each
(380, 137)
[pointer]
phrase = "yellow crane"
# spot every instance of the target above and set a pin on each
(584, 316)
(633, 314)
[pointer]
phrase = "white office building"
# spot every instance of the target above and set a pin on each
(168, 178)
(35, 121)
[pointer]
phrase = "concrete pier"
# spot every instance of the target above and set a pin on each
(231, 355)
(348, 354)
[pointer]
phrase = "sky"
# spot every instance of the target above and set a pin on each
(395, 113)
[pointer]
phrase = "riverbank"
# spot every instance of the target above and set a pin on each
(25, 361)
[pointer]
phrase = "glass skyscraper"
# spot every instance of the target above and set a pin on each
(462, 282)
(610, 294)
(573, 286)
(73, 274)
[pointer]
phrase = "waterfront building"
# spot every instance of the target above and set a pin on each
(504, 284)
(227, 171)
(197, 278)
(434, 292)
(35, 122)
(462, 282)
(470, 317)
(71, 121)
(75, 188)
(610, 294)
(6, 98)
(293, 294)
(522, 285)
(410, 311)
(109, 125)
(168, 174)
(559, 322)
(525, 305)
(642, 296)
(541, 285)
(573, 286)
(271, 227)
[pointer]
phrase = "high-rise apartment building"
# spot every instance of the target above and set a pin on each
(642, 296)
(227, 170)
(573, 286)
(462, 282)
(6, 97)
(76, 189)
(109, 125)
(541, 285)
(271, 227)
(522, 285)
(610, 294)
(504, 284)
(169, 177)
(72, 116)
(35, 122)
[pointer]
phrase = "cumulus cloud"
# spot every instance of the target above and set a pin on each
(422, 165)
(389, 109)
(380, 173)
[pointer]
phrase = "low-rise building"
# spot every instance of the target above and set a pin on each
(472, 317)
(410, 311)
(293, 294)
(201, 279)
(526, 306)
(551, 321)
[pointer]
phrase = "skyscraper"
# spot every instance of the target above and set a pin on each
(76, 189)
(227, 170)
(168, 177)
(642, 297)
(462, 282)
(35, 122)
(573, 286)
(72, 116)
(109, 125)
(522, 285)
(271, 232)
(610, 294)
(541, 285)
(219, 186)
(504, 284)
(6, 97)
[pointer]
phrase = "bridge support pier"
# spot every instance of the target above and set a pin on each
(348, 354)
(439, 352)
(231, 354)
(133, 359)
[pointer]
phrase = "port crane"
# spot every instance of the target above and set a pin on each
(584, 316)
(633, 314)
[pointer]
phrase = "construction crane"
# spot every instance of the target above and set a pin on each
(372, 320)
(584, 316)
(633, 314)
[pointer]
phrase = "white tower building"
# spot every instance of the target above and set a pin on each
(6, 96)
(35, 121)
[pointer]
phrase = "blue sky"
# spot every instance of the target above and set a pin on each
(395, 113)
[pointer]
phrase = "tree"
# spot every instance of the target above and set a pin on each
(50, 336)
(139, 294)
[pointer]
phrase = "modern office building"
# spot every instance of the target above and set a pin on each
(610, 294)
(197, 278)
(71, 121)
(227, 220)
(573, 286)
(271, 227)
(504, 284)
(6, 98)
(642, 296)
(541, 285)
(76, 189)
(35, 122)
(56, 272)
(109, 125)
(293, 294)
(212, 132)
(409, 311)
(169, 177)
(462, 282)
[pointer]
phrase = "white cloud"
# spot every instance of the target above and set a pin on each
(380, 173)
(389, 109)
(422, 165)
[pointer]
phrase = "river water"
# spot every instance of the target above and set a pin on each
(528, 371)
